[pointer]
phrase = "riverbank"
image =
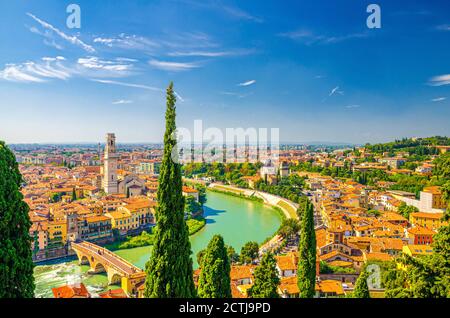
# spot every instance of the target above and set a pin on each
(287, 208)
(238, 221)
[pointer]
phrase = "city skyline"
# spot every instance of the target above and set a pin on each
(313, 70)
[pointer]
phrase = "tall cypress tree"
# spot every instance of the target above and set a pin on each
(16, 264)
(266, 278)
(169, 270)
(361, 287)
(214, 280)
(306, 273)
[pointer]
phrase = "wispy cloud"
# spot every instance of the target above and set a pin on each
(210, 53)
(71, 39)
(117, 67)
(247, 83)
(133, 85)
(443, 27)
(439, 99)
(352, 106)
(231, 11)
(335, 91)
(309, 38)
(128, 42)
(173, 66)
(36, 72)
(122, 101)
(440, 80)
(241, 14)
(236, 94)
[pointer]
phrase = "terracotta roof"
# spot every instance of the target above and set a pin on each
(419, 230)
(287, 262)
(425, 215)
(241, 271)
(330, 286)
(114, 293)
(71, 291)
(289, 285)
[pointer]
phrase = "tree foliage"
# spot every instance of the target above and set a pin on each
(266, 279)
(361, 288)
(306, 273)
(249, 252)
(16, 265)
(214, 280)
(169, 270)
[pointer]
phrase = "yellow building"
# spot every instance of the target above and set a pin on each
(141, 212)
(434, 194)
(120, 220)
(57, 233)
(432, 221)
(416, 250)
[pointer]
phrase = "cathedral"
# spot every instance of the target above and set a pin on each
(112, 183)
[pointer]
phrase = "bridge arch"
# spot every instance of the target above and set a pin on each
(84, 260)
(115, 279)
(98, 268)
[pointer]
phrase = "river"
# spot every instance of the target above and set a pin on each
(237, 220)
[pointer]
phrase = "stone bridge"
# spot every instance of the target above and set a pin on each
(119, 271)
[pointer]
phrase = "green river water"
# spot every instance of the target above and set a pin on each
(237, 220)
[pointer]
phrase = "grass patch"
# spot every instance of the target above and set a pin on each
(236, 194)
(292, 212)
(195, 224)
(143, 239)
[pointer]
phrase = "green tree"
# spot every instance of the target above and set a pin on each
(406, 210)
(306, 273)
(74, 195)
(266, 279)
(169, 270)
(249, 252)
(191, 205)
(214, 280)
(361, 287)
(16, 265)
(232, 255)
(289, 228)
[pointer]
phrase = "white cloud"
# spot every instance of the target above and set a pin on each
(247, 83)
(443, 27)
(36, 72)
(128, 42)
(352, 106)
(115, 66)
(142, 86)
(336, 91)
(173, 66)
(71, 39)
(236, 94)
(211, 53)
(309, 38)
(440, 80)
(439, 99)
(122, 101)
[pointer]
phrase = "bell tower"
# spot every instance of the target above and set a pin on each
(110, 184)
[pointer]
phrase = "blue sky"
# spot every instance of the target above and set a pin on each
(311, 68)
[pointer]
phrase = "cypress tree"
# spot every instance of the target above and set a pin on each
(16, 264)
(306, 274)
(214, 280)
(74, 195)
(169, 270)
(266, 278)
(361, 287)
